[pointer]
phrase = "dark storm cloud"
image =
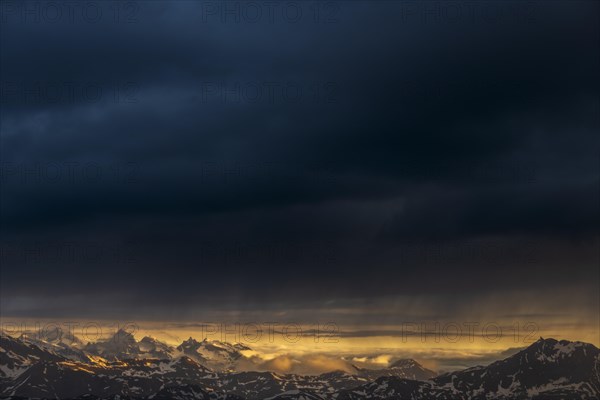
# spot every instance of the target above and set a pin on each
(295, 156)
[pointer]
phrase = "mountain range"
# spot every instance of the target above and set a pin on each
(124, 368)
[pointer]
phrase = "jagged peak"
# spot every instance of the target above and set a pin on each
(205, 343)
(190, 341)
(122, 335)
(124, 332)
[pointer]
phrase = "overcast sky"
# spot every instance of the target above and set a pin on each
(167, 160)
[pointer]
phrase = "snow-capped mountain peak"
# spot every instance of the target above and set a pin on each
(547, 369)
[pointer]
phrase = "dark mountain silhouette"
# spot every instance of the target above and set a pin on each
(405, 369)
(548, 369)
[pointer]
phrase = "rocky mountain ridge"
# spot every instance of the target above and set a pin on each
(548, 369)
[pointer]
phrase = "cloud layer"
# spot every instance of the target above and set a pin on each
(182, 157)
